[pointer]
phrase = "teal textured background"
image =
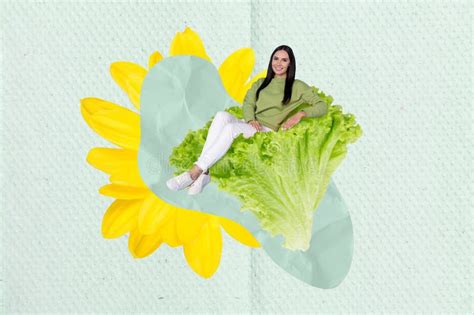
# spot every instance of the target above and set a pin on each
(403, 68)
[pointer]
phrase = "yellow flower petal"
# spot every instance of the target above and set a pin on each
(189, 223)
(141, 245)
(154, 59)
(203, 253)
(119, 121)
(168, 231)
(235, 70)
(115, 123)
(130, 177)
(120, 218)
(239, 233)
(124, 192)
(112, 160)
(121, 164)
(129, 76)
(188, 43)
(153, 214)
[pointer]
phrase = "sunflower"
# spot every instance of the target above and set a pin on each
(136, 209)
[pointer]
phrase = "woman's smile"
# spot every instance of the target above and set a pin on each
(279, 69)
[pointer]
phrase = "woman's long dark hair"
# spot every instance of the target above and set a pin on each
(290, 73)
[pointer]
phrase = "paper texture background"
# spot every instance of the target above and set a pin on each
(404, 70)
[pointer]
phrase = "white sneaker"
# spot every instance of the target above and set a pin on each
(180, 182)
(199, 184)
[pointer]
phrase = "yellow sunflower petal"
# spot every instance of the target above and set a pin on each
(188, 43)
(115, 123)
(168, 231)
(124, 192)
(125, 122)
(129, 76)
(128, 177)
(112, 160)
(203, 253)
(120, 218)
(154, 59)
(141, 245)
(235, 70)
(121, 164)
(189, 223)
(239, 233)
(154, 213)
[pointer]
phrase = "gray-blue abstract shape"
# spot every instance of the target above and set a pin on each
(182, 93)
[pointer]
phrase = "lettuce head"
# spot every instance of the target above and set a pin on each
(280, 177)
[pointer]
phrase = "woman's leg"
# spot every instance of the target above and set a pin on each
(221, 118)
(222, 143)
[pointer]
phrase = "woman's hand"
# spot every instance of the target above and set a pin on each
(256, 125)
(293, 120)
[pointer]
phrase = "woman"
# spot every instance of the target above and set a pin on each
(266, 106)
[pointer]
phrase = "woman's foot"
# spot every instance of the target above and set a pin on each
(185, 179)
(180, 182)
(199, 184)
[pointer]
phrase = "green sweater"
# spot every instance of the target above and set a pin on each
(270, 111)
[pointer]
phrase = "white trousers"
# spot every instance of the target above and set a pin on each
(224, 128)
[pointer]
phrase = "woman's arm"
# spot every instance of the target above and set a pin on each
(318, 106)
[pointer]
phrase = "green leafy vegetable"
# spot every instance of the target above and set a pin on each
(280, 177)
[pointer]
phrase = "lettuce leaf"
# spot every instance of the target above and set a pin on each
(280, 177)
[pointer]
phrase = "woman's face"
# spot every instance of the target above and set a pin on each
(280, 62)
